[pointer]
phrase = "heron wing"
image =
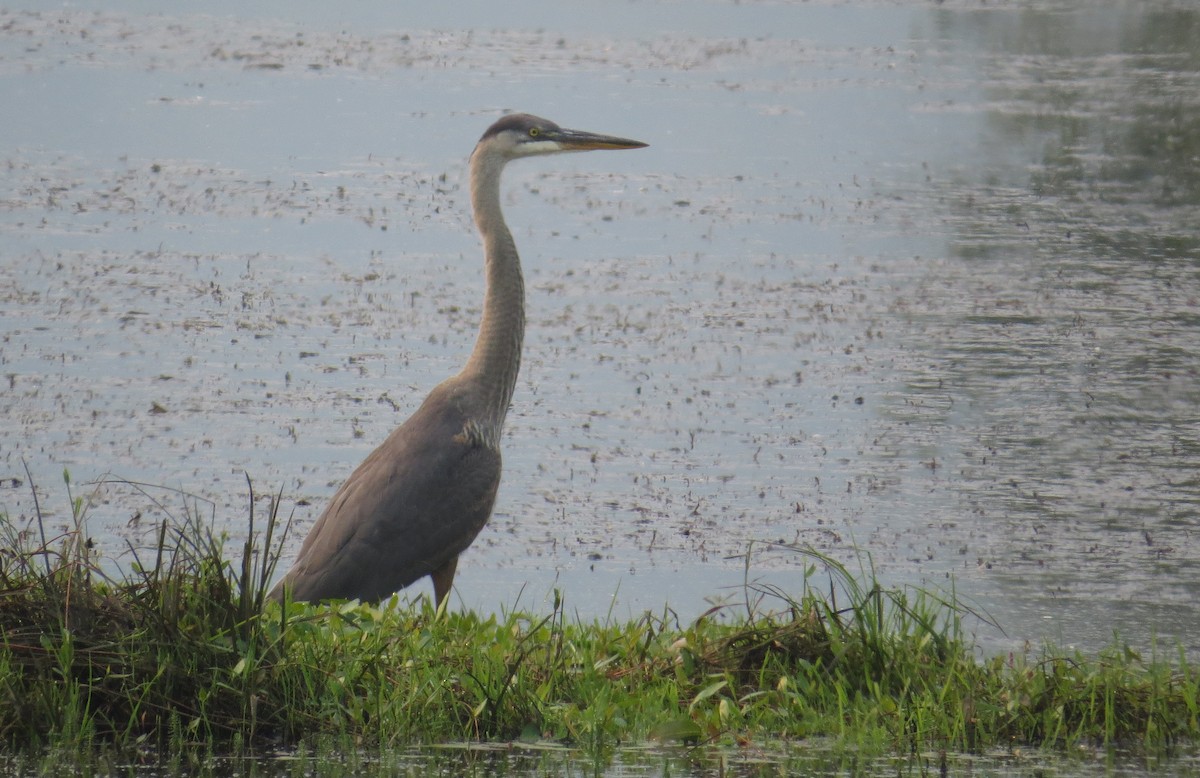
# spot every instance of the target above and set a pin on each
(415, 503)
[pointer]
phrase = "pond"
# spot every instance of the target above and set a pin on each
(914, 284)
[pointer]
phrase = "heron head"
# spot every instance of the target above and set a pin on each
(524, 135)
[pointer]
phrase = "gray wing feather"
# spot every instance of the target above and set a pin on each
(415, 503)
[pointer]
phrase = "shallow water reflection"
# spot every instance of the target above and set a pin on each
(526, 759)
(1056, 344)
(918, 278)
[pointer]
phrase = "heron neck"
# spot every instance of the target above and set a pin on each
(496, 358)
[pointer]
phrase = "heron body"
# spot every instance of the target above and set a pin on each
(419, 499)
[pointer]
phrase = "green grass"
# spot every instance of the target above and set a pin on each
(180, 654)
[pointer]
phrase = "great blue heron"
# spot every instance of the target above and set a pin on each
(419, 499)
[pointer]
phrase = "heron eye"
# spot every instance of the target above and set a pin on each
(534, 132)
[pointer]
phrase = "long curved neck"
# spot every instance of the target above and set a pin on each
(496, 359)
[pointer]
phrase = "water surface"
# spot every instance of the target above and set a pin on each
(913, 280)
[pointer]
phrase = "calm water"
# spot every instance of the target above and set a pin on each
(917, 279)
(531, 759)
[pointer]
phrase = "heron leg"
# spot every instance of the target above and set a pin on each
(443, 579)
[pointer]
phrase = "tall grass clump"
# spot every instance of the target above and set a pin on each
(155, 657)
(876, 668)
